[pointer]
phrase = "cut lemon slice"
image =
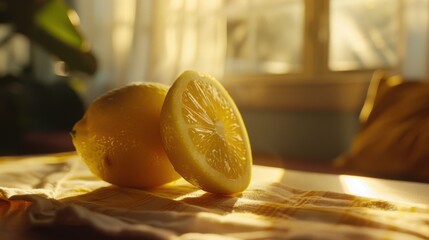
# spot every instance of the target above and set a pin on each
(204, 135)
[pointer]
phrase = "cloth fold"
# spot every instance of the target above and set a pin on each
(54, 191)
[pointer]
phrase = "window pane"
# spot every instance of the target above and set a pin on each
(264, 36)
(416, 32)
(363, 34)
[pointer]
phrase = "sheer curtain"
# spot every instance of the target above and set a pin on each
(152, 40)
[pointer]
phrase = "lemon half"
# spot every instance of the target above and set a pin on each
(204, 135)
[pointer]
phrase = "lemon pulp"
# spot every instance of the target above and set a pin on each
(214, 129)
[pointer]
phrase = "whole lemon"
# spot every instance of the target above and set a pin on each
(119, 137)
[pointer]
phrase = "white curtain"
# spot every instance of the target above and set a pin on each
(152, 40)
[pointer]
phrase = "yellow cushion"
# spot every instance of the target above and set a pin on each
(393, 139)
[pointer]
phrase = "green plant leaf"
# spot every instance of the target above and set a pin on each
(54, 18)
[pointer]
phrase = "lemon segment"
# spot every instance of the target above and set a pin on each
(204, 135)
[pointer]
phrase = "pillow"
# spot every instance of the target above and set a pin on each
(393, 138)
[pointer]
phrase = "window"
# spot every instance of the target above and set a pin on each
(296, 36)
(363, 34)
(258, 41)
(274, 43)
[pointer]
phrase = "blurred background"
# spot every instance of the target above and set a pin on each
(298, 69)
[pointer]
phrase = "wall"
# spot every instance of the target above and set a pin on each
(301, 135)
(301, 119)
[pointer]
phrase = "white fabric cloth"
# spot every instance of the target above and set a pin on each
(58, 190)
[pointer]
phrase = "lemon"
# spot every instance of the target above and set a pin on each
(204, 135)
(119, 137)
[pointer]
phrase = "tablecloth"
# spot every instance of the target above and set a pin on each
(56, 195)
